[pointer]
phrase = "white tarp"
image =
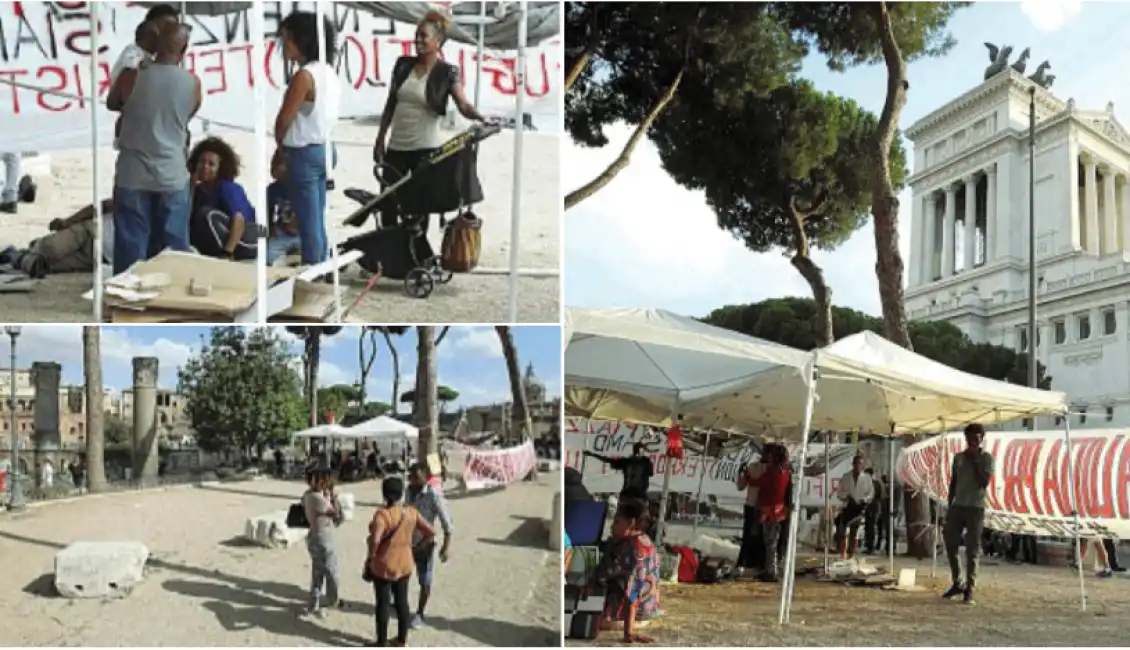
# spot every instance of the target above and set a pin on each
(684, 365)
(384, 426)
(323, 431)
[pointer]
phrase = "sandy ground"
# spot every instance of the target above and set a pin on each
(1016, 605)
(205, 589)
(468, 298)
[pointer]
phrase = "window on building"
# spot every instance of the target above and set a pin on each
(1110, 322)
(1023, 338)
(1110, 414)
(1026, 423)
(1059, 330)
(1083, 326)
(1083, 418)
(1058, 420)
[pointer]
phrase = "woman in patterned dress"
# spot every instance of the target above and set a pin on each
(630, 570)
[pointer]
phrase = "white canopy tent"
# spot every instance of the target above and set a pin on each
(323, 431)
(384, 426)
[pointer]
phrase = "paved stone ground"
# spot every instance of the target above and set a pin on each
(205, 588)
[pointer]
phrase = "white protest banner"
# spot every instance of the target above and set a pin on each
(45, 48)
(1030, 491)
(718, 474)
(483, 468)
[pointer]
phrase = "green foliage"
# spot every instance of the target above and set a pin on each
(443, 393)
(845, 32)
(115, 430)
(789, 321)
(733, 49)
(796, 149)
(242, 391)
(336, 399)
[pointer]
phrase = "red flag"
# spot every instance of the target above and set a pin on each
(675, 442)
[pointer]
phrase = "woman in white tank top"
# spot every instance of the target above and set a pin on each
(417, 101)
(304, 127)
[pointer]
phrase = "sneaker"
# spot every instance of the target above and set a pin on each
(968, 597)
(1104, 574)
(953, 591)
(9, 208)
(1118, 569)
(417, 622)
(316, 612)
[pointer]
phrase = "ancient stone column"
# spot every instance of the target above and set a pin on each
(1090, 206)
(929, 246)
(45, 437)
(145, 457)
(990, 212)
(948, 231)
(970, 222)
(1110, 213)
(1124, 217)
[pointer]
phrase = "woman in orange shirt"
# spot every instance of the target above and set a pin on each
(391, 562)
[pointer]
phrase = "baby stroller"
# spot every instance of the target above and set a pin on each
(403, 252)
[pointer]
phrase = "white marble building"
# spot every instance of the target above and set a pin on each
(971, 160)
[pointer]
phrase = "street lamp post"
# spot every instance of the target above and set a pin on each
(16, 502)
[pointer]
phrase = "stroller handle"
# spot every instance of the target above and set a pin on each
(484, 130)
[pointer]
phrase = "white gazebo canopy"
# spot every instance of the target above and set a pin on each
(323, 431)
(384, 426)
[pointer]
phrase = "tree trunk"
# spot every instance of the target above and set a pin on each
(621, 162)
(366, 362)
(520, 413)
(814, 276)
(95, 419)
(888, 264)
(427, 391)
(395, 373)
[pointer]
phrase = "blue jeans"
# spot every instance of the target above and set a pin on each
(146, 223)
(306, 185)
(280, 245)
(11, 187)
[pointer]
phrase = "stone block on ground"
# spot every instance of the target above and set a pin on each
(556, 523)
(100, 569)
(270, 531)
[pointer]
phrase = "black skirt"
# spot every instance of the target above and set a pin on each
(444, 187)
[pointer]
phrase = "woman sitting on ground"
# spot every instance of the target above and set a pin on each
(630, 570)
(222, 221)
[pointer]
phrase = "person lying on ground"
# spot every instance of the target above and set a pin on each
(69, 248)
(629, 568)
(223, 220)
(151, 179)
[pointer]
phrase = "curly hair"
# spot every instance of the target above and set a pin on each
(439, 22)
(302, 26)
(229, 159)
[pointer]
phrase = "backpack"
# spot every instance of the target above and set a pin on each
(296, 516)
(462, 243)
(688, 563)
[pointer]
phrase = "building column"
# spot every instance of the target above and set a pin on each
(914, 264)
(1124, 217)
(929, 245)
(145, 458)
(1091, 205)
(1110, 243)
(990, 211)
(948, 228)
(970, 222)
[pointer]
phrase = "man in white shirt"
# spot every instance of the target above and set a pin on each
(856, 491)
(140, 52)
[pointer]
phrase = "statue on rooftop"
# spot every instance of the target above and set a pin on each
(998, 60)
(1041, 78)
(1022, 62)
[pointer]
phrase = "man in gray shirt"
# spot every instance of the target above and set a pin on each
(965, 519)
(151, 181)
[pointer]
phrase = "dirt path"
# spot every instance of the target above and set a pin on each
(206, 589)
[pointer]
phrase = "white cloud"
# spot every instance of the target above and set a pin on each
(470, 342)
(1051, 15)
(645, 241)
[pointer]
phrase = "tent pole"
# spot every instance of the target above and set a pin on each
(262, 158)
(1075, 513)
(661, 527)
(891, 514)
(698, 497)
(938, 506)
(790, 555)
(479, 54)
(825, 521)
(519, 131)
(95, 155)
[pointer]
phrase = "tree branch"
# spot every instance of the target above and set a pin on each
(582, 61)
(442, 334)
(625, 157)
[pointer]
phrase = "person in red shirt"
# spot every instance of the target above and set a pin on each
(772, 499)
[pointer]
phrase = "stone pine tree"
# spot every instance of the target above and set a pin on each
(311, 337)
(426, 408)
(630, 61)
(894, 33)
(520, 413)
(790, 171)
(95, 438)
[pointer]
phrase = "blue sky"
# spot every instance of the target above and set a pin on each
(470, 358)
(643, 241)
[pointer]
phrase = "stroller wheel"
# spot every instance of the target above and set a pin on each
(419, 283)
(442, 276)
